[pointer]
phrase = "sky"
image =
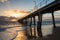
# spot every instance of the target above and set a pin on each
(11, 5)
(16, 4)
(8, 7)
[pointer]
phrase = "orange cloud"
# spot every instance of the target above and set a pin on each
(16, 13)
(22, 11)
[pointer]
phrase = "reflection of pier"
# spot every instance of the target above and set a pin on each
(49, 8)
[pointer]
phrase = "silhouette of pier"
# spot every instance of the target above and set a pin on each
(49, 8)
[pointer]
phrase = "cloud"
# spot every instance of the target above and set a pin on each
(16, 13)
(3, 1)
(23, 11)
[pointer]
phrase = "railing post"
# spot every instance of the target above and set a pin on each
(54, 26)
(34, 26)
(39, 30)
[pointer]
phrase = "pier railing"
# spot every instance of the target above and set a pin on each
(42, 3)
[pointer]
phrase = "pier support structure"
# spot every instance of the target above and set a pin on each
(39, 24)
(54, 25)
(34, 26)
(30, 26)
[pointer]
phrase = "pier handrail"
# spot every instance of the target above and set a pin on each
(42, 3)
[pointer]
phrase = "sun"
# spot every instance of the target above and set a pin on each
(16, 15)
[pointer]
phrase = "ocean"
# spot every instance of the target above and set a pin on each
(16, 31)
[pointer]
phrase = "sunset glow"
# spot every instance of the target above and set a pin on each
(16, 13)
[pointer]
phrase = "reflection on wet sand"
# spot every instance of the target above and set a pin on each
(19, 32)
(21, 36)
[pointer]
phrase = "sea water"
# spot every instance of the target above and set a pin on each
(17, 31)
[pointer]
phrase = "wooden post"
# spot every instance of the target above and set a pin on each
(26, 22)
(34, 26)
(26, 27)
(23, 22)
(30, 26)
(39, 24)
(54, 26)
